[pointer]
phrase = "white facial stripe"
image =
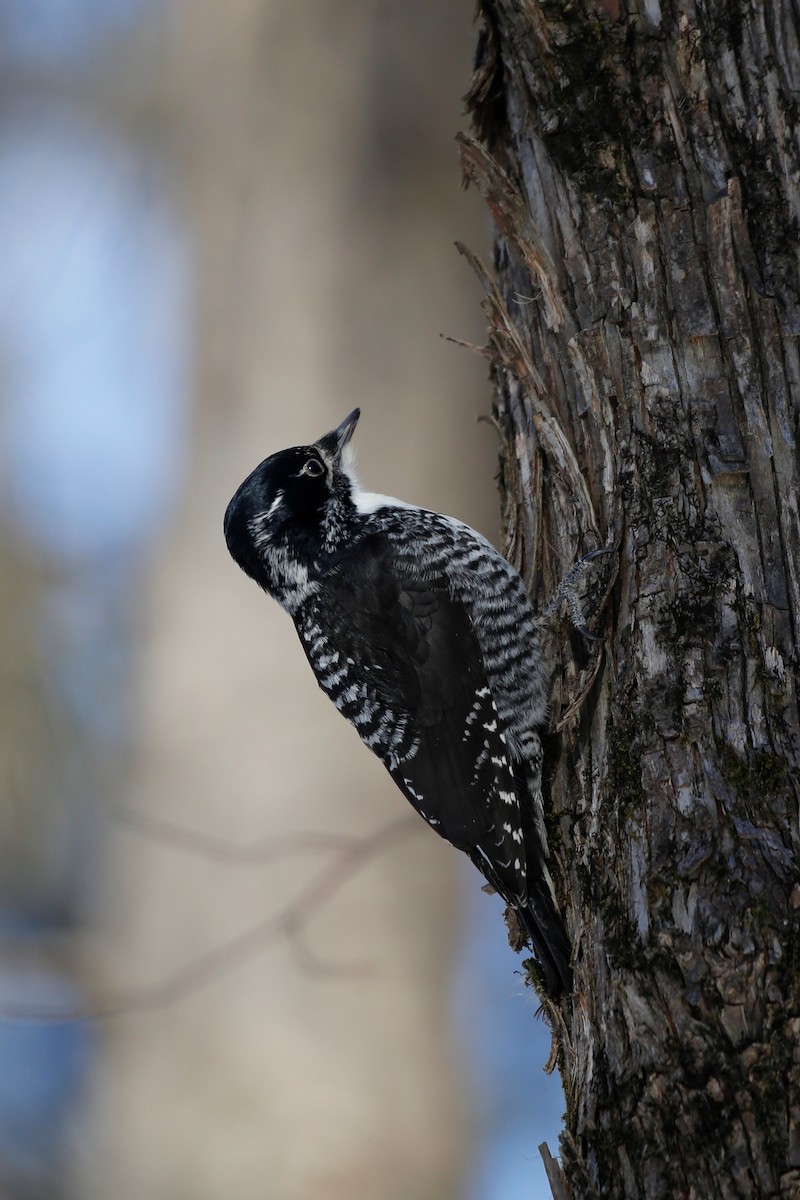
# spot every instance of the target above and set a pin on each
(366, 502)
(370, 502)
(276, 503)
(347, 463)
(259, 525)
(259, 534)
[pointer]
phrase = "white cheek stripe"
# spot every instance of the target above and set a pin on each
(276, 503)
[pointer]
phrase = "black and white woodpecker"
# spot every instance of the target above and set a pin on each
(423, 636)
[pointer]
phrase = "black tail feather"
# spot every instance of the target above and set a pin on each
(540, 922)
(548, 937)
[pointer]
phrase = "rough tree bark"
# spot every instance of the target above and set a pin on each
(641, 162)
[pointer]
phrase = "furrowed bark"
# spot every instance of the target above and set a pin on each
(641, 163)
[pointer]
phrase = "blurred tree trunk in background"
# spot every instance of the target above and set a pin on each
(33, 737)
(314, 154)
(641, 163)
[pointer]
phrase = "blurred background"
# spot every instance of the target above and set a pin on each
(222, 226)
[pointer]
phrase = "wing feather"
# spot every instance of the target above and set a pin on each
(399, 657)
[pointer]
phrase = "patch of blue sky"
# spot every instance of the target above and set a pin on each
(94, 333)
(43, 1064)
(504, 1047)
(48, 32)
(509, 1167)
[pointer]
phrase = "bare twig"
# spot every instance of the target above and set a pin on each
(555, 1175)
(206, 845)
(291, 922)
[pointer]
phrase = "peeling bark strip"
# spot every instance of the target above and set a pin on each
(642, 164)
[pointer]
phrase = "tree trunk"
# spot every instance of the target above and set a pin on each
(641, 163)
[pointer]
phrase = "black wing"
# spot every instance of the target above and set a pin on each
(399, 658)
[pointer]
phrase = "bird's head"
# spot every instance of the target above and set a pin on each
(304, 492)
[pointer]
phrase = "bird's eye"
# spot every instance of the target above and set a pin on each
(314, 468)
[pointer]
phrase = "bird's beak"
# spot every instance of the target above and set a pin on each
(333, 443)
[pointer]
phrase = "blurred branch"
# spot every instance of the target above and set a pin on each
(290, 922)
(206, 845)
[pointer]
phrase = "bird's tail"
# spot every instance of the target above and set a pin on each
(539, 921)
(545, 930)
